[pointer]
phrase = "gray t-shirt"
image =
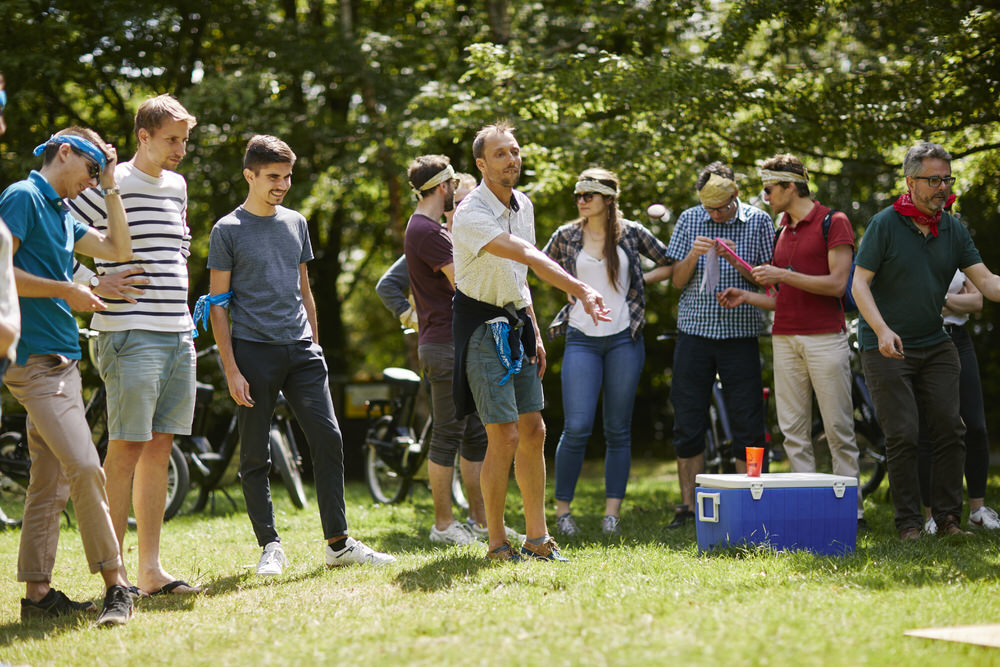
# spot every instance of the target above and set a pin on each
(263, 255)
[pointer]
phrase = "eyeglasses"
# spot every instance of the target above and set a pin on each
(584, 196)
(93, 168)
(936, 181)
(723, 209)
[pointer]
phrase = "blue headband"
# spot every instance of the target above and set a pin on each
(80, 144)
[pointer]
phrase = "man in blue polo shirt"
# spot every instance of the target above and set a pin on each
(906, 261)
(712, 339)
(45, 377)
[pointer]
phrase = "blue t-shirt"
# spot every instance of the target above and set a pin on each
(263, 255)
(37, 216)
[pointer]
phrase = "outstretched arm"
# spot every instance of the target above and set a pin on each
(985, 280)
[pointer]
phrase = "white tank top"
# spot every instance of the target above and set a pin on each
(593, 271)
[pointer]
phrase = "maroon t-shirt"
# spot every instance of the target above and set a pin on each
(428, 247)
(803, 249)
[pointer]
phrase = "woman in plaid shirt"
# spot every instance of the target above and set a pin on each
(603, 250)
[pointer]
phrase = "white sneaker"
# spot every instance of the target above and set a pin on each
(984, 517)
(930, 527)
(566, 526)
(455, 533)
(272, 561)
(356, 553)
(482, 532)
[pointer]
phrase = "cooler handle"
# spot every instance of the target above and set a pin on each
(839, 488)
(701, 498)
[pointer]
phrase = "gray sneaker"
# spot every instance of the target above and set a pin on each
(272, 560)
(566, 526)
(611, 525)
(455, 533)
(117, 607)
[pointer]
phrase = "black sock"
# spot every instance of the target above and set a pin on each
(339, 544)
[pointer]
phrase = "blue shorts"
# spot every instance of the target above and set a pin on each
(500, 405)
(150, 382)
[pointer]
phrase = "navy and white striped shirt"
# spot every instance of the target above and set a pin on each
(698, 313)
(157, 217)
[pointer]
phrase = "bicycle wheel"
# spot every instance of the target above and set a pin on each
(288, 467)
(457, 488)
(178, 482)
(14, 467)
(385, 483)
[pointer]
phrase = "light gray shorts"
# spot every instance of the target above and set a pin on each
(150, 382)
(500, 404)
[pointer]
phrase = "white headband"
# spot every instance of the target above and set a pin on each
(437, 179)
(717, 191)
(769, 177)
(588, 185)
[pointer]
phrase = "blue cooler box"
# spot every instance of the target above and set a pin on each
(797, 510)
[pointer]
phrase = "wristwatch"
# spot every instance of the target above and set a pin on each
(111, 191)
(95, 280)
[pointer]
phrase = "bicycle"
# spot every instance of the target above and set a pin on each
(394, 452)
(208, 461)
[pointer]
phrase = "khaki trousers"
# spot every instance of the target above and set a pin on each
(818, 363)
(64, 464)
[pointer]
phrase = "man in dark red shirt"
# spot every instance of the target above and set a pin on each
(430, 263)
(811, 350)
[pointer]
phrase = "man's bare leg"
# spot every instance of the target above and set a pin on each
(500, 450)
(687, 470)
(149, 499)
(440, 480)
(471, 473)
(529, 469)
(119, 467)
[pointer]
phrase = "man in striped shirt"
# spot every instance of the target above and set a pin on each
(145, 351)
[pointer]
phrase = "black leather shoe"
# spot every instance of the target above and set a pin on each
(681, 517)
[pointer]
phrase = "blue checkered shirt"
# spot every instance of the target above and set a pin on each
(698, 313)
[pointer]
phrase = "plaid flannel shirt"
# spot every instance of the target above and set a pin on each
(699, 313)
(565, 245)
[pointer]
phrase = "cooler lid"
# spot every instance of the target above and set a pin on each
(774, 480)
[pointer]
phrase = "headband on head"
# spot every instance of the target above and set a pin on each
(590, 185)
(437, 179)
(769, 177)
(77, 142)
(717, 191)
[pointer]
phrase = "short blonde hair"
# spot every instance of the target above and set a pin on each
(154, 111)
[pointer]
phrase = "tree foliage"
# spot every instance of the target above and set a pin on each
(651, 89)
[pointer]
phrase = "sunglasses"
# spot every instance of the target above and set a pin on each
(585, 197)
(93, 168)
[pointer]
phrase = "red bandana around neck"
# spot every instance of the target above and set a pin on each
(905, 206)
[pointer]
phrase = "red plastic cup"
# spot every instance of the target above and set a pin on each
(755, 460)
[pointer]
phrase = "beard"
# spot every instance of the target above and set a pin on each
(449, 203)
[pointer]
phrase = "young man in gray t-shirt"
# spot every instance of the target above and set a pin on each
(257, 255)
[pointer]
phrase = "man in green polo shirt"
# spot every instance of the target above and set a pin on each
(908, 255)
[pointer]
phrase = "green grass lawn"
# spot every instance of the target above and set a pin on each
(648, 598)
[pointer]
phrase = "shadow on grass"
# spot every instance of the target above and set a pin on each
(440, 573)
(43, 628)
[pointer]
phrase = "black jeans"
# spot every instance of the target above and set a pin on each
(972, 409)
(299, 371)
(924, 383)
(696, 362)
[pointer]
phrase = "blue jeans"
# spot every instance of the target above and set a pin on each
(589, 363)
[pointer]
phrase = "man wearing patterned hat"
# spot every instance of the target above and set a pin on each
(45, 378)
(811, 266)
(906, 261)
(713, 340)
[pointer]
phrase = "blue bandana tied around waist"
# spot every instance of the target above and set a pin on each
(79, 143)
(202, 310)
(500, 328)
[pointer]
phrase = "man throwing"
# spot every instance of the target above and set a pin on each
(495, 329)
(712, 339)
(257, 256)
(145, 353)
(906, 261)
(45, 378)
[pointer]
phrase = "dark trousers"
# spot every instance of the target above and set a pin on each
(299, 371)
(925, 384)
(972, 410)
(697, 360)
